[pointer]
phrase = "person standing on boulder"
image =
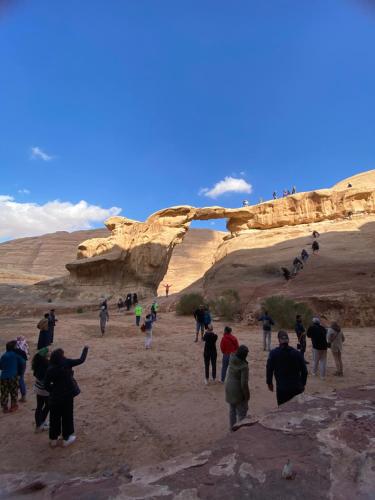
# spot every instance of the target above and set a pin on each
(103, 318)
(237, 392)
(289, 369)
(199, 322)
(318, 335)
(138, 313)
(267, 329)
(228, 345)
(63, 388)
(167, 287)
(210, 353)
(52, 320)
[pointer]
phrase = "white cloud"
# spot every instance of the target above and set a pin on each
(30, 219)
(24, 191)
(38, 153)
(227, 185)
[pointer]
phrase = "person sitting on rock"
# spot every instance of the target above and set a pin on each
(288, 367)
(237, 392)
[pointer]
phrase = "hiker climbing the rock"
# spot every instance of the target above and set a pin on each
(286, 273)
(297, 266)
(304, 255)
(315, 247)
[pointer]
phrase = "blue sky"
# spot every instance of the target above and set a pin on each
(141, 104)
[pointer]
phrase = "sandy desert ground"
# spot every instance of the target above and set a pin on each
(139, 407)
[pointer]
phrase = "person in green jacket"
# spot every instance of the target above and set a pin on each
(237, 393)
(138, 313)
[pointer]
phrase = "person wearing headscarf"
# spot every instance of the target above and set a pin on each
(237, 392)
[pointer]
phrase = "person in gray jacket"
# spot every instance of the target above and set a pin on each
(237, 393)
(336, 338)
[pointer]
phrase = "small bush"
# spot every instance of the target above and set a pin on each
(227, 305)
(188, 303)
(283, 311)
(79, 310)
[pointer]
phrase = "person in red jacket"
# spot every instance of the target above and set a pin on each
(228, 345)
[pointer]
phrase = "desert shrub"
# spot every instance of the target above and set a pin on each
(283, 311)
(227, 305)
(188, 303)
(79, 310)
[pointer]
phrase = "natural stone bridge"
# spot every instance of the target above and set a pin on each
(136, 254)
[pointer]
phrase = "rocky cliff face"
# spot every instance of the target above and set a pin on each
(328, 441)
(136, 255)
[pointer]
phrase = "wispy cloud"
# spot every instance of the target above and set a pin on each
(38, 153)
(29, 219)
(227, 185)
(24, 191)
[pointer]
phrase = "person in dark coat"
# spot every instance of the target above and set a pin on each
(199, 315)
(289, 369)
(62, 387)
(315, 247)
(39, 366)
(286, 273)
(237, 392)
(301, 336)
(210, 353)
(128, 301)
(318, 335)
(44, 337)
(52, 320)
(135, 299)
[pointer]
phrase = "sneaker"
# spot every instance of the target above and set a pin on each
(22, 399)
(69, 441)
(45, 426)
(53, 443)
(206, 381)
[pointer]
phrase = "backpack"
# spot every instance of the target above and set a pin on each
(266, 324)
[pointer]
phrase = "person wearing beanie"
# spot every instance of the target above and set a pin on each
(228, 345)
(237, 392)
(288, 367)
(318, 335)
(39, 366)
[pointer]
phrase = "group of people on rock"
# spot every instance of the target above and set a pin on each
(286, 192)
(298, 262)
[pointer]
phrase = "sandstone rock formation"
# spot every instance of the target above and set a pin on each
(28, 260)
(136, 255)
(328, 439)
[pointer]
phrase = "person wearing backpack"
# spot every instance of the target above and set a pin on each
(267, 322)
(288, 367)
(335, 339)
(228, 345)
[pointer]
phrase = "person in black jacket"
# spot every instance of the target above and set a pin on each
(318, 335)
(39, 366)
(61, 385)
(210, 353)
(301, 336)
(199, 315)
(289, 369)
